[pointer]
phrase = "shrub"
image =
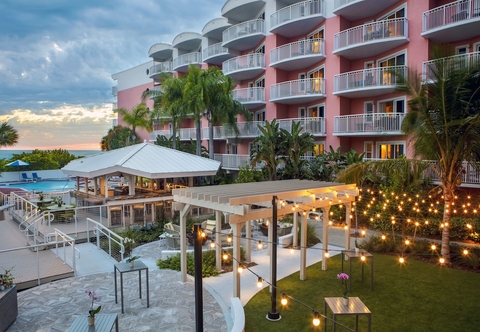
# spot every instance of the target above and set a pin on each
(208, 264)
(312, 238)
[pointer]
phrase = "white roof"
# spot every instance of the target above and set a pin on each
(146, 160)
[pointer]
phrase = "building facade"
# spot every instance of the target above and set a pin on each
(330, 64)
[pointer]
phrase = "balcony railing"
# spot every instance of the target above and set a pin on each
(161, 67)
(244, 62)
(186, 59)
(369, 78)
(470, 174)
(375, 31)
(449, 64)
(451, 13)
(243, 29)
(297, 11)
(297, 49)
(303, 87)
(340, 3)
(213, 50)
(249, 95)
(314, 126)
(184, 134)
(381, 123)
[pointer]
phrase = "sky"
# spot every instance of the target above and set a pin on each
(57, 58)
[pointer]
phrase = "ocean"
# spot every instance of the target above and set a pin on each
(7, 154)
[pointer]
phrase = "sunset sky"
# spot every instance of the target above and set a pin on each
(57, 58)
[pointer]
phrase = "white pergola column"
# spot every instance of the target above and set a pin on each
(106, 186)
(348, 211)
(303, 247)
(95, 186)
(183, 241)
(295, 229)
(270, 237)
(236, 254)
(131, 185)
(326, 214)
(218, 240)
(248, 236)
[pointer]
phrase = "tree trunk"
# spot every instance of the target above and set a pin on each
(174, 134)
(447, 217)
(199, 137)
(210, 140)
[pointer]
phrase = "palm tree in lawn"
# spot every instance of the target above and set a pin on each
(168, 103)
(295, 145)
(139, 117)
(8, 135)
(443, 124)
(267, 147)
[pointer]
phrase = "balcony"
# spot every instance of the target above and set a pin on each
(160, 68)
(244, 36)
(314, 126)
(156, 90)
(298, 55)
(242, 10)
(371, 39)
(184, 134)
(354, 10)
(470, 177)
(182, 62)
(298, 91)
(297, 19)
(448, 64)
(455, 21)
(368, 124)
(245, 67)
(368, 82)
(216, 54)
(160, 52)
(251, 98)
(233, 161)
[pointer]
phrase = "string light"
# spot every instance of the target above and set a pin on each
(212, 244)
(441, 260)
(434, 247)
(327, 254)
(225, 256)
(465, 252)
(384, 236)
(259, 282)
(240, 269)
(260, 245)
(316, 319)
(401, 260)
(229, 238)
(362, 257)
(284, 300)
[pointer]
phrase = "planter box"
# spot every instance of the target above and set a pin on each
(8, 307)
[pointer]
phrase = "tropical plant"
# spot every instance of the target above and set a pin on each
(8, 135)
(267, 148)
(139, 117)
(116, 138)
(295, 145)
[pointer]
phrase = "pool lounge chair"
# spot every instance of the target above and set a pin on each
(36, 177)
(26, 178)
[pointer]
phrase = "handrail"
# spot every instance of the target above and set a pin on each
(66, 240)
(98, 227)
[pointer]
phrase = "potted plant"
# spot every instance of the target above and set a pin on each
(132, 260)
(7, 278)
(92, 312)
(343, 277)
(41, 196)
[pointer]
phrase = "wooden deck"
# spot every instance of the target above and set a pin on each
(30, 268)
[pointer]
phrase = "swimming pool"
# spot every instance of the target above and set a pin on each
(44, 185)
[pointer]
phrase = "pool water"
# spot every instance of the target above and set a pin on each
(44, 185)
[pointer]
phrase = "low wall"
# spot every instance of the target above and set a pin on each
(238, 315)
(55, 174)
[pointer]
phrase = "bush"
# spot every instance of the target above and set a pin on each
(312, 238)
(208, 264)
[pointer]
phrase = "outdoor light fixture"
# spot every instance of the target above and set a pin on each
(284, 299)
(229, 239)
(441, 260)
(225, 255)
(212, 244)
(316, 319)
(465, 252)
(434, 247)
(401, 260)
(327, 254)
(240, 269)
(259, 282)
(260, 245)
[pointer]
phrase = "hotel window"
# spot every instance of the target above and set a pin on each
(316, 84)
(260, 115)
(231, 148)
(317, 111)
(476, 47)
(392, 106)
(368, 110)
(301, 82)
(390, 150)
(318, 148)
(368, 149)
(315, 44)
(386, 75)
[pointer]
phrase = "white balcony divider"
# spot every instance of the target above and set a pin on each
(449, 64)
(367, 123)
(213, 50)
(235, 161)
(161, 67)
(397, 27)
(368, 78)
(243, 29)
(256, 94)
(298, 88)
(187, 133)
(297, 49)
(185, 59)
(340, 3)
(315, 126)
(450, 13)
(248, 61)
(155, 133)
(296, 11)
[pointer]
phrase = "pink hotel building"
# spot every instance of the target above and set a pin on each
(327, 63)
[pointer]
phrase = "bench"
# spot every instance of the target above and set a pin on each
(285, 240)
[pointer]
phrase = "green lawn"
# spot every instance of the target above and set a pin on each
(412, 297)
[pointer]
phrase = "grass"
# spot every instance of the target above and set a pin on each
(415, 296)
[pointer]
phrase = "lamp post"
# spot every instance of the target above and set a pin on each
(197, 250)
(273, 314)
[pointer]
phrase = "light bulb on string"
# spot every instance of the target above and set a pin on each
(284, 300)
(434, 247)
(363, 258)
(316, 319)
(384, 236)
(240, 269)
(229, 239)
(225, 256)
(401, 260)
(212, 244)
(442, 260)
(465, 252)
(260, 245)
(259, 282)
(327, 254)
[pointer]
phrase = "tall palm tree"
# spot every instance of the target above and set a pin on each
(295, 145)
(8, 135)
(138, 117)
(117, 137)
(267, 147)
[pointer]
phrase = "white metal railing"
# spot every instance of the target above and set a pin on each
(161, 67)
(368, 78)
(185, 134)
(297, 11)
(244, 62)
(374, 31)
(470, 174)
(186, 59)
(297, 49)
(450, 13)
(315, 126)
(449, 64)
(340, 3)
(243, 29)
(256, 94)
(213, 50)
(296, 88)
(65, 241)
(367, 123)
(235, 161)
(112, 237)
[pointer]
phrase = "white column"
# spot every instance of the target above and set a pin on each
(183, 241)
(236, 254)
(326, 214)
(218, 240)
(348, 211)
(248, 235)
(295, 229)
(303, 249)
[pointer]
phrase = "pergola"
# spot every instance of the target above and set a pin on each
(241, 203)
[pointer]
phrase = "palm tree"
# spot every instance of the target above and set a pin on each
(117, 137)
(138, 117)
(267, 147)
(295, 145)
(208, 94)
(8, 135)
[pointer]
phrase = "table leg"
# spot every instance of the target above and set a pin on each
(371, 273)
(356, 323)
(334, 323)
(369, 322)
(325, 316)
(116, 324)
(140, 282)
(121, 290)
(343, 257)
(115, 276)
(363, 269)
(350, 275)
(148, 292)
